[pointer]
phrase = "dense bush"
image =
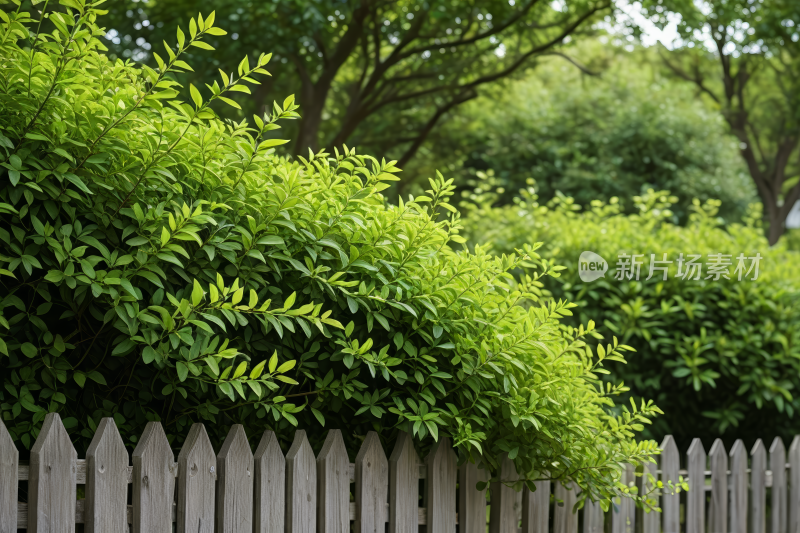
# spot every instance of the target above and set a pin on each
(159, 264)
(719, 357)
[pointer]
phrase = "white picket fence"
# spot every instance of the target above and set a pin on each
(238, 491)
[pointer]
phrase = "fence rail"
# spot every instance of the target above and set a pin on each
(236, 490)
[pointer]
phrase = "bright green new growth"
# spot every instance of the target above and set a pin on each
(159, 264)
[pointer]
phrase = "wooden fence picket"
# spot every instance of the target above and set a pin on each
(564, 520)
(502, 515)
(52, 479)
(670, 502)
(269, 485)
(404, 486)
(9, 486)
(718, 510)
(649, 521)
(738, 496)
(593, 517)
(696, 497)
(471, 501)
(777, 464)
(623, 518)
(372, 489)
(197, 476)
(154, 472)
(333, 485)
(536, 508)
(235, 471)
(758, 487)
(440, 487)
(794, 483)
(301, 486)
(107, 461)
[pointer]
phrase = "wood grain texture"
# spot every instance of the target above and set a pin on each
(372, 487)
(564, 520)
(107, 461)
(153, 481)
(301, 486)
(197, 476)
(649, 521)
(623, 519)
(738, 509)
(269, 486)
(440, 487)
(696, 497)
(333, 485)
(670, 503)
(51, 484)
(471, 501)
(536, 508)
(502, 515)
(718, 509)
(593, 517)
(794, 483)
(9, 486)
(234, 503)
(404, 486)
(777, 464)
(758, 488)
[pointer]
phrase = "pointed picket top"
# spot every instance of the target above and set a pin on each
(535, 508)
(301, 486)
(404, 486)
(372, 492)
(794, 482)
(718, 509)
(9, 487)
(502, 516)
(269, 484)
(333, 485)
(738, 499)
(107, 461)
(197, 475)
(234, 507)
(758, 487)
(471, 501)
(777, 464)
(670, 503)
(696, 497)
(440, 487)
(52, 479)
(153, 481)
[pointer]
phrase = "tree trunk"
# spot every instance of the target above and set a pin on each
(776, 224)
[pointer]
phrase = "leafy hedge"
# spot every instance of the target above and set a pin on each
(159, 264)
(719, 357)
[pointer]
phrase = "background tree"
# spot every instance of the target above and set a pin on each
(744, 55)
(378, 73)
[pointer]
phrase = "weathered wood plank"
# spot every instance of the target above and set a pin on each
(758, 487)
(794, 483)
(51, 487)
(670, 502)
(502, 515)
(738, 510)
(333, 485)
(269, 486)
(301, 486)
(696, 497)
(649, 521)
(777, 464)
(372, 489)
(593, 517)
(471, 501)
(623, 518)
(154, 472)
(234, 500)
(718, 509)
(106, 481)
(440, 487)
(536, 508)
(9, 486)
(404, 486)
(564, 520)
(197, 476)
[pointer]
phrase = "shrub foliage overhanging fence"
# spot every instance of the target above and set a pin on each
(239, 491)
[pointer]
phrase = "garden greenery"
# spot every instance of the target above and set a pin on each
(160, 264)
(719, 357)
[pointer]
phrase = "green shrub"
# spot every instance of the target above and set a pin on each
(719, 357)
(159, 264)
